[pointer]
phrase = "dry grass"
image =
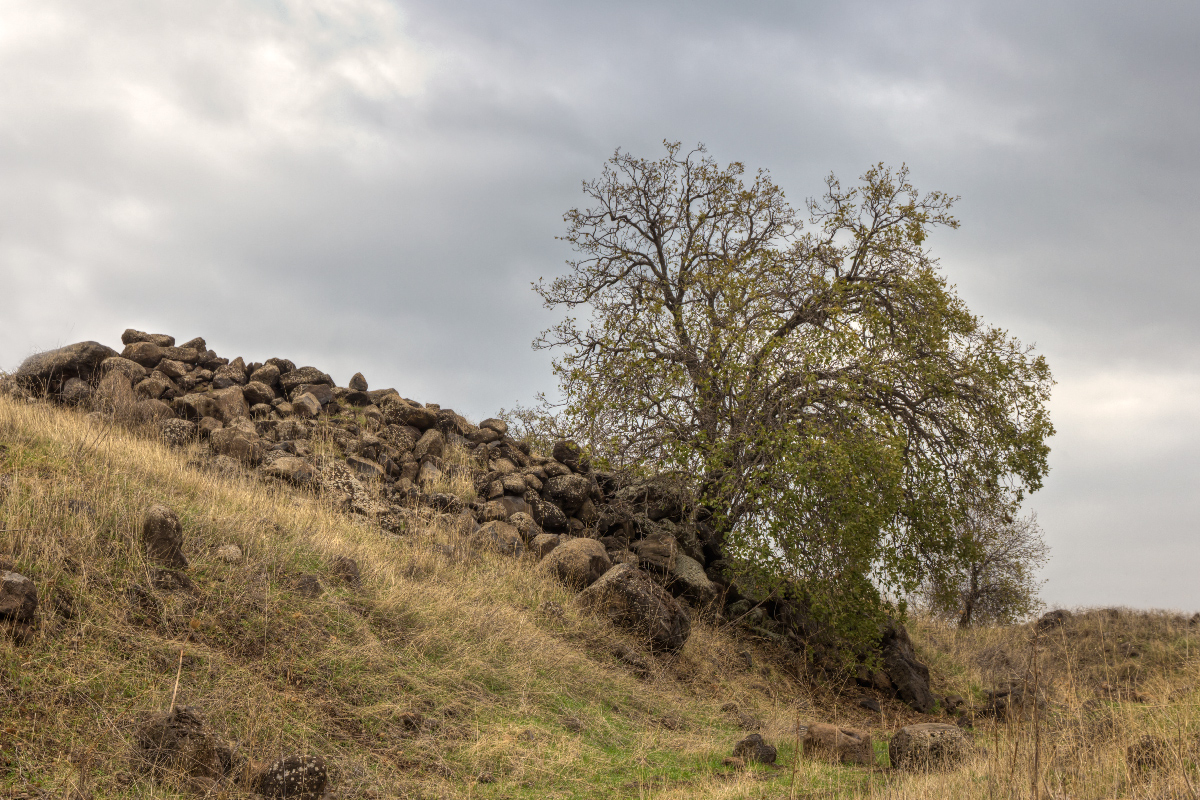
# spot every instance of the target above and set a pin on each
(493, 656)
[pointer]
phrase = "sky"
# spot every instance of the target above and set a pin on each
(367, 185)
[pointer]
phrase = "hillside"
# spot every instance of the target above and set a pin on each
(370, 623)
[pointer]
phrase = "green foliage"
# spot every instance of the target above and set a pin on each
(834, 399)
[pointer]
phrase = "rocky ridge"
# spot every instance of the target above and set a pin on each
(638, 551)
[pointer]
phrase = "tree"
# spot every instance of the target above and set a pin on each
(997, 582)
(833, 398)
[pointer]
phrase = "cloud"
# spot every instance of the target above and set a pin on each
(370, 185)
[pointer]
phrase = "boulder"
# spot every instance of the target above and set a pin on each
(177, 432)
(231, 374)
(753, 750)
(49, 370)
(322, 392)
(496, 425)
(18, 597)
(147, 354)
(431, 443)
(267, 374)
(525, 525)
(131, 336)
(689, 580)
(292, 469)
(545, 513)
(130, 369)
(928, 746)
(297, 777)
(428, 473)
(231, 403)
(175, 743)
(844, 745)
(568, 491)
(544, 543)
(171, 368)
(290, 380)
(1053, 619)
(909, 676)
(483, 436)
(162, 537)
(658, 553)
(357, 383)
(569, 453)
(76, 392)
(365, 467)
(631, 600)
(578, 563)
(197, 406)
(229, 553)
(256, 392)
(306, 406)
(499, 537)
(235, 443)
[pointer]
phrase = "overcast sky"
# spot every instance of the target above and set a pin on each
(372, 185)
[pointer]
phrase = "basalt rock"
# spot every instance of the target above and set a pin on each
(50, 370)
(631, 600)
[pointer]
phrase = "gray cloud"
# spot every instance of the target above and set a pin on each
(367, 185)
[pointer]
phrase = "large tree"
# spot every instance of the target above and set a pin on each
(834, 400)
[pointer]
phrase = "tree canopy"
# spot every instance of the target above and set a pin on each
(835, 401)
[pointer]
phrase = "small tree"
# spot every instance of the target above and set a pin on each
(996, 582)
(833, 398)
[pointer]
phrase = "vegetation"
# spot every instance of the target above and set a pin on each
(518, 693)
(837, 404)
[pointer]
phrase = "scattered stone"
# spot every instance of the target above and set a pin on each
(296, 777)
(1147, 754)
(176, 743)
(572, 724)
(18, 597)
(631, 600)
(346, 569)
(229, 553)
(578, 563)
(844, 745)
(306, 405)
(928, 746)
(162, 536)
(753, 750)
(308, 586)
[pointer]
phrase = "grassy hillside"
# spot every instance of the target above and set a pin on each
(447, 672)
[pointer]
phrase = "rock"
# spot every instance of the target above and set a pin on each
(291, 379)
(543, 543)
(870, 704)
(928, 746)
(365, 467)
(1053, 619)
(753, 750)
(554, 469)
(568, 491)
(176, 743)
(844, 745)
(431, 443)
(346, 569)
(198, 344)
(323, 393)
(689, 580)
(177, 432)
(357, 383)
(292, 469)
(267, 374)
(514, 485)
(256, 392)
(546, 514)
(130, 369)
(429, 473)
(657, 553)
(229, 553)
(525, 525)
(631, 600)
(18, 597)
(131, 336)
(483, 436)
(49, 370)
(569, 453)
(578, 563)
(308, 586)
(908, 675)
(162, 536)
(208, 426)
(499, 537)
(197, 406)
(231, 403)
(171, 368)
(306, 405)
(147, 354)
(497, 425)
(297, 777)
(234, 443)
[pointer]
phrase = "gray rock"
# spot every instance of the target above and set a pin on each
(928, 746)
(49, 370)
(689, 580)
(568, 491)
(358, 383)
(18, 597)
(578, 563)
(131, 369)
(658, 553)
(292, 469)
(76, 392)
(631, 600)
(235, 443)
(162, 537)
(267, 374)
(567, 452)
(497, 425)
(171, 368)
(256, 392)
(290, 380)
(177, 432)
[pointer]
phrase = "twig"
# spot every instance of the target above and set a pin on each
(178, 673)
